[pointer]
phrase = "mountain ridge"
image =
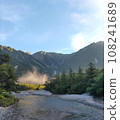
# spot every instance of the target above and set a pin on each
(52, 62)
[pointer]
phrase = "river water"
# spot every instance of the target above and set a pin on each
(34, 107)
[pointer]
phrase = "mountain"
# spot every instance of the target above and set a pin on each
(92, 53)
(23, 61)
(52, 63)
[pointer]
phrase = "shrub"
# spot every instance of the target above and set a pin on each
(27, 86)
(6, 99)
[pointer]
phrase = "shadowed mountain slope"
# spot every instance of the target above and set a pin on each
(52, 63)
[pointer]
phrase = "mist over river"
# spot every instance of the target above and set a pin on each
(42, 105)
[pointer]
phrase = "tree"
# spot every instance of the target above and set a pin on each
(8, 78)
(71, 76)
(80, 71)
(91, 72)
(4, 58)
(63, 76)
(79, 85)
(91, 81)
(97, 88)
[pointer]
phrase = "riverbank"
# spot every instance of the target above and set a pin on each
(83, 98)
(42, 105)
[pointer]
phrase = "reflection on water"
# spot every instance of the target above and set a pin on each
(31, 108)
(44, 108)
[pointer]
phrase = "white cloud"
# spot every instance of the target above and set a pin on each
(88, 21)
(78, 42)
(84, 19)
(81, 4)
(80, 18)
(12, 13)
(12, 18)
(9, 13)
(97, 36)
(89, 16)
(3, 37)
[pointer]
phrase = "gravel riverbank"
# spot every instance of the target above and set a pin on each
(42, 105)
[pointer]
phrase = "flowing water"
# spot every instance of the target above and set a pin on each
(35, 107)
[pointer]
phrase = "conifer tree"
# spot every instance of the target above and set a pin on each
(63, 76)
(80, 71)
(91, 72)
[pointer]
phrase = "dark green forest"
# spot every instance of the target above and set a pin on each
(8, 80)
(91, 81)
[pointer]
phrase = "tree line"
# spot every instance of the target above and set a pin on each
(91, 81)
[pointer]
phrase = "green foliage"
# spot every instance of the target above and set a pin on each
(4, 58)
(26, 86)
(97, 88)
(91, 81)
(79, 85)
(6, 99)
(21, 87)
(8, 78)
(91, 72)
(70, 84)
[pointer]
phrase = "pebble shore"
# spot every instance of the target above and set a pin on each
(42, 105)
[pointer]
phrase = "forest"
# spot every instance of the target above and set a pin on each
(89, 81)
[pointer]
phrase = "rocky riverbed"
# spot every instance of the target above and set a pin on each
(42, 105)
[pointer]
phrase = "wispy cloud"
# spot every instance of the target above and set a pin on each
(9, 13)
(86, 19)
(88, 4)
(98, 35)
(3, 37)
(89, 11)
(12, 18)
(83, 19)
(12, 13)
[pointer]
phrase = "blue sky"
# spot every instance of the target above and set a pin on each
(63, 26)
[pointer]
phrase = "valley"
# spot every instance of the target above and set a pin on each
(42, 105)
(67, 99)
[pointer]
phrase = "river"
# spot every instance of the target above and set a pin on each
(49, 107)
